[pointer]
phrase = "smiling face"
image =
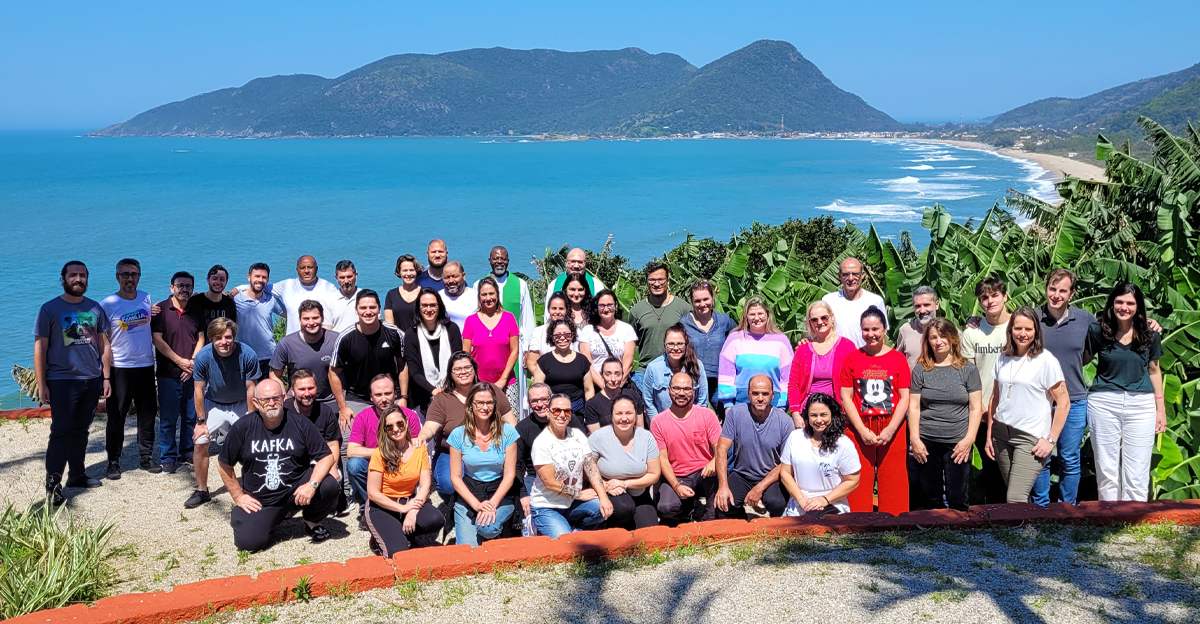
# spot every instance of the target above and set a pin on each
(562, 337)
(656, 282)
(675, 345)
(498, 260)
(310, 321)
(483, 405)
(1059, 293)
(702, 301)
(1024, 330)
(818, 417)
(925, 307)
(454, 279)
(1125, 306)
(557, 310)
(223, 345)
(606, 306)
(428, 306)
(576, 261)
(217, 282)
(820, 323)
(576, 292)
(850, 273)
(993, 302)
(682, 390)
(408, 272)
(539, 401)
(873, 331)
(436, 254)
(560, 413)
(488, 298)
(181, 288)
(624, 416)
(463, 372)
(75, 281)
(397, 427)
(756, 319)
(258, 279)
(305, 391)
(368, 310)
(128, 277)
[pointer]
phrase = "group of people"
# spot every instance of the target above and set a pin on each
(588, 420)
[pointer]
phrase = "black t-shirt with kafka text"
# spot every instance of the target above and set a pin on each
(363, 356)
(321, 416)
(273, 460)
(204, 310)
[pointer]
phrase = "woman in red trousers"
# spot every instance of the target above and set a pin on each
(873, 384)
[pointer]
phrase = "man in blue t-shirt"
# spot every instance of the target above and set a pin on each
(71, 359)
(257, 309)
(226, 372)
(756, 433)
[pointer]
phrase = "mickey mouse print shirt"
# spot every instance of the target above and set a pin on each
(877, 381)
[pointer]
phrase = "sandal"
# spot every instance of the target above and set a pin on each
(317, 533)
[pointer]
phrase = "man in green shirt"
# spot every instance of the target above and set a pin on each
(651, 316)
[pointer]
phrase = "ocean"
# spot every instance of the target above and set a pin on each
(188, 203)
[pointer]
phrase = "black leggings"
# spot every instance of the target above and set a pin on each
(387, 526)
(940, 475)
(633, 512)
(252, 531)
(136, 386)
(773, 497)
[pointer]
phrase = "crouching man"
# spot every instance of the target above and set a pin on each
(285, 466)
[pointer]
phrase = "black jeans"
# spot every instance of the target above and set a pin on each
(939, 476)
(72, 407)
(674, 509)
(252, 531)
(136, 386)
(717, 406)
(773, 498)
(995, 490)
(387, 526)
(633, 512)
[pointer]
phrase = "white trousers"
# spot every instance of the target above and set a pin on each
(1122, 426)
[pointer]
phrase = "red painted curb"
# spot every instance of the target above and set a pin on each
(196, 600)
(28, 412)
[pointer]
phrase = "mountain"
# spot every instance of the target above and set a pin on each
(500, 91)
(1068, 114)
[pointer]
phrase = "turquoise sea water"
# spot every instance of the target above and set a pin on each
(186, 204)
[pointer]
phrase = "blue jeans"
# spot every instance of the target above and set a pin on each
(177, 408)
(555, 522)
(467, 532)
(1067, 466)
(356, 474)
(441, 475)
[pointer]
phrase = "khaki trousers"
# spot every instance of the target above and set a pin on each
(1018, 465)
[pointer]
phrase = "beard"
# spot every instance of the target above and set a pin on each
(349, 289)
(75, 289)
(436, 265)
(924, 318)
(274, 413)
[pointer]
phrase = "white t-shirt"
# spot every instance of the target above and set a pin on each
(816, 474)
(616, 343)
(293, 293)
(129, 329)
(1024, 383)
(342, 313)
(567, 457)
(848, 314)
(536, 341)
(462, 306)
(984, 344)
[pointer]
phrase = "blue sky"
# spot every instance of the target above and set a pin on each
(89, 64)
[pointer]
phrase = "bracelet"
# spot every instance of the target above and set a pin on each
(1155, 398)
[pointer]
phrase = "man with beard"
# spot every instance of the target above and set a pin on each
(225, 373)
(849, 303)
(310, 349)
(174, 333)
(756, 434)
(342, 315)
(364, 436)
(128, 313)
(576, 265)
(687, 437)
(432, 277)
(651, 317)
(303, 403)
(285, 468)
(306, 285)
(257, 310)
(461, 300)
(211, 305)
(72, 360)
(925, 309)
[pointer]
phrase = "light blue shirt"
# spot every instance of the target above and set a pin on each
(480, 465)
(656, 383)
(256, 321)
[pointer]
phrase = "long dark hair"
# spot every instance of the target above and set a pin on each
(1108, 318)
(594, 310)
(587, 305)
(690, 363)
(558, 294)
(458, 356)
(442, 316)
(837, 422)
(391, 450)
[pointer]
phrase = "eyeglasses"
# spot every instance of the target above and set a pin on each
(560, 411)
(675, 345)
(605, 306)
(429, 306)
(459, 370)
(680, 389)
(483, 403)
(656, 280)
(819, 319)
(128, 274)
(271, 400)
(560, 336)
(533, 401)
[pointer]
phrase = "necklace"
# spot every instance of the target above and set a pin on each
(1012, 381)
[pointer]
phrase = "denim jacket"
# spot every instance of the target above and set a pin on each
(707, 345)
(655, 384)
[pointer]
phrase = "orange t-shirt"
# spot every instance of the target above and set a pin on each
(402, 483)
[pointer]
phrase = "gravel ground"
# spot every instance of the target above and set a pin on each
(1029, 574)
(157, 543)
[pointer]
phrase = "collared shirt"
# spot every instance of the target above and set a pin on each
(656, 384)
(1065, 339)
(707, 344)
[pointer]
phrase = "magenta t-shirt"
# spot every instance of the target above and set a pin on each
(365, 428)
(490, 348)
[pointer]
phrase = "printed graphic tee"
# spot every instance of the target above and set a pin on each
(129, 330)
(71, 329)
(273, 460)
(877, 381)
(567, 458)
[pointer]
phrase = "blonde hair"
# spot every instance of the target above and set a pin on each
(819, 303)
(753, 302)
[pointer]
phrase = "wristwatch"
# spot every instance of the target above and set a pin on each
(314, 484)
(1050, 439)
(201, 421)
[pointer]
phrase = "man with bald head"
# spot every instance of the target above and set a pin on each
(306, 285)
(285, 468)
(461, 300)
(576, 265)
(756, 432)
(687, 436)
(432, 277)
(849, 303)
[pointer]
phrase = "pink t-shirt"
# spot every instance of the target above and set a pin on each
(490, 347)
(689, 442)
(365, 428)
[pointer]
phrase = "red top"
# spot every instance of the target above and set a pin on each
(877, 380)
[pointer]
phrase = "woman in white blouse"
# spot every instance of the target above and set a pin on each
(608, 336)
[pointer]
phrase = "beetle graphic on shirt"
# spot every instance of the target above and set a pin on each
(268, 458)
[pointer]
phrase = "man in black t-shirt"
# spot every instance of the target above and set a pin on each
(206, 307)
(597, 411)
(305, 405)
(285, 467)
(372, 347)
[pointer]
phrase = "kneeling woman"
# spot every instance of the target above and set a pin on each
(559, 502)
(819, 465)
(483, 468)
(398, 486)
(627, 457)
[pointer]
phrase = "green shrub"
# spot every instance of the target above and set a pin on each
(48, 559)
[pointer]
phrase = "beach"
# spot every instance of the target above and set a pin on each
(1058, 166)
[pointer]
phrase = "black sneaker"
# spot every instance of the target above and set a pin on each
(169, 467)
(114, 470)
(151, 466)
(362, 523)
(54, 489)
(199, 497)
(84, 482)
(317, 533)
